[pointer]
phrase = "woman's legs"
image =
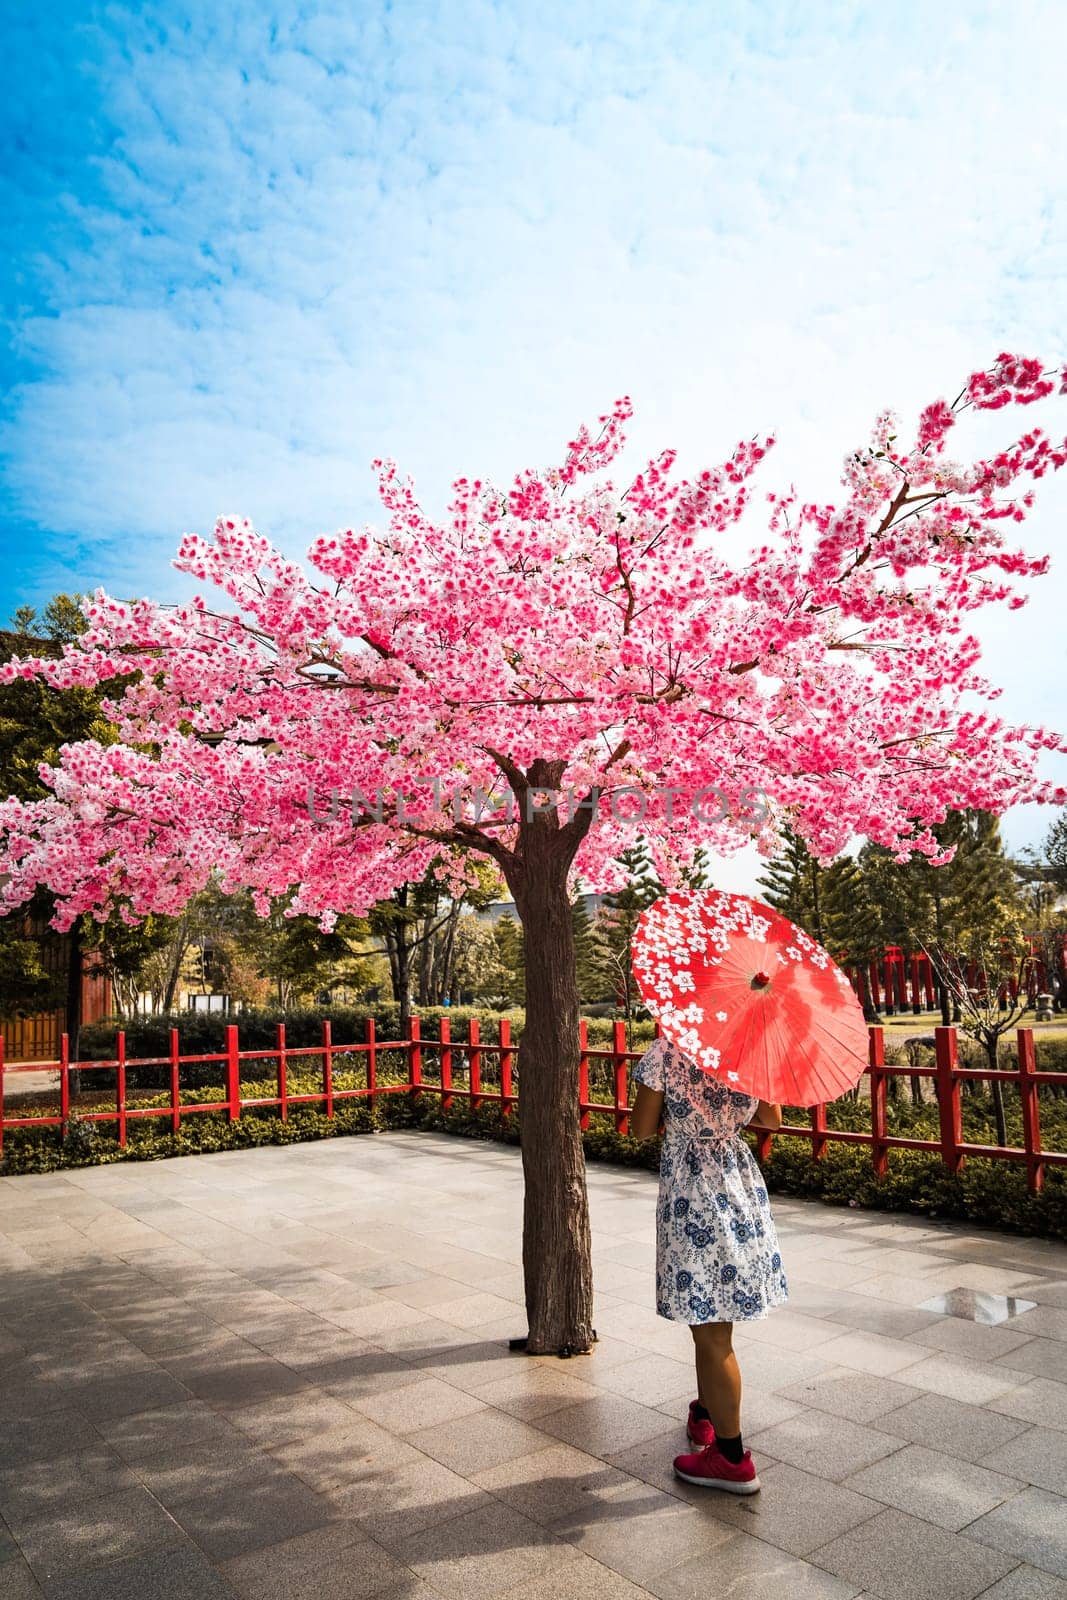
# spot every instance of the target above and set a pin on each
(718, 1376)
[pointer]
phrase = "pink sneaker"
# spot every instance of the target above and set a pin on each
(700, 1431)
(711, 1470)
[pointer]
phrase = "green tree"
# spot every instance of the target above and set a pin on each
(592, 955)
(35, 722)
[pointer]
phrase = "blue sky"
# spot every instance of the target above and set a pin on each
(253, 246)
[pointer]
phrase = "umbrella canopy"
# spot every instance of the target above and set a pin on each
(750, 997)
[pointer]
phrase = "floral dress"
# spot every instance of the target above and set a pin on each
(717, 1256)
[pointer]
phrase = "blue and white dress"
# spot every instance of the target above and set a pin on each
(717, 1255)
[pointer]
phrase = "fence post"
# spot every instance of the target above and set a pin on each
(948, 1097)
(1, 1094)
(233, 1073)
(175, 1088)
(283, 1075)
(64, 1082)
(372, 1061)
(473, 1038)
(879, 1126)
(583, 1073)
(444, 1034)
(619, 1075)
(327, 1065)
(414, 1055)
(120, 1085)
(818, 1131)
(1035, 1167)
(504, 1033)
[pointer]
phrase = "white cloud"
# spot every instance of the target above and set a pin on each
(449, 232)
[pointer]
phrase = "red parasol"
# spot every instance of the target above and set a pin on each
(750, 997)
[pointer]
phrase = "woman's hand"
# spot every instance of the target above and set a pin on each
(766, 1115)
(646, 1113)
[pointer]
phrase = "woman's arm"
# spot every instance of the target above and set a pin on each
(766, 1115)
(646, 1113)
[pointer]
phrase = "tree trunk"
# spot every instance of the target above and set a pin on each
(996, 1088)
(403, 978)
(427, 958)
(557, 1261)
(448, 956)
(817, 927)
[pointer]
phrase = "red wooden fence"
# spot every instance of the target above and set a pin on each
(947, 1074)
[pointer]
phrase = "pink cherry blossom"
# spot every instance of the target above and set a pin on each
(567, 618)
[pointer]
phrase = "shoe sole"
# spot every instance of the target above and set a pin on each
(729, 1484)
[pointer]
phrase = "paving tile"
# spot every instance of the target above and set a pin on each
(873, 1353)
(580, 1579)
(1046, 1291)
(208, 1462)
(357, 1377)
(56, 1433)
(976, 1382)
(1031, 1527)
(1042, 1358)
(549, 1484)
(475, 1443)
(980, 1341)
(859, 1396)
(475, 1310)
(651, 1379)
(340, 1563)
(276, 1422)
(341, 1456)
(533, 1391)
(939, 1488)
(609, 1423)
(1048, 1321)
(1027, 1583)
(764, 1366)
(228, 1383)
(126, 1395)
(183, 1573)
(638, 1530)
(17, 1582)
(369, 1320)
(251, 1509)
(393, 1504)
(970, 1432)
(418, 1406)
(37, 1487)
(483, 1553)
(793, 1510)
(831, 1447)
(99, 1531)
(1041, 1400)
(1038, 1456)
(747, 1569)
(897, 1557)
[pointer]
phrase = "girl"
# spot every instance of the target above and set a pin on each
(717, 1259)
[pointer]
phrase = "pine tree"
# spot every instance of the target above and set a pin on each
(792, 884)
(592, 955)
(621, 910)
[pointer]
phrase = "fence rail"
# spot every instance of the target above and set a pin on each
(948, 1077)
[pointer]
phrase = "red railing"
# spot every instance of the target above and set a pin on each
(948, 1076)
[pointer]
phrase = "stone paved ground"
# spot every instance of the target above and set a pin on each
(284, 1373)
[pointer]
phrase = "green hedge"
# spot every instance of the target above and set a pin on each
(992, 1193)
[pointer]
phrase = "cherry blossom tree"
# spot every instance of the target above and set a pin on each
(549, 670)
